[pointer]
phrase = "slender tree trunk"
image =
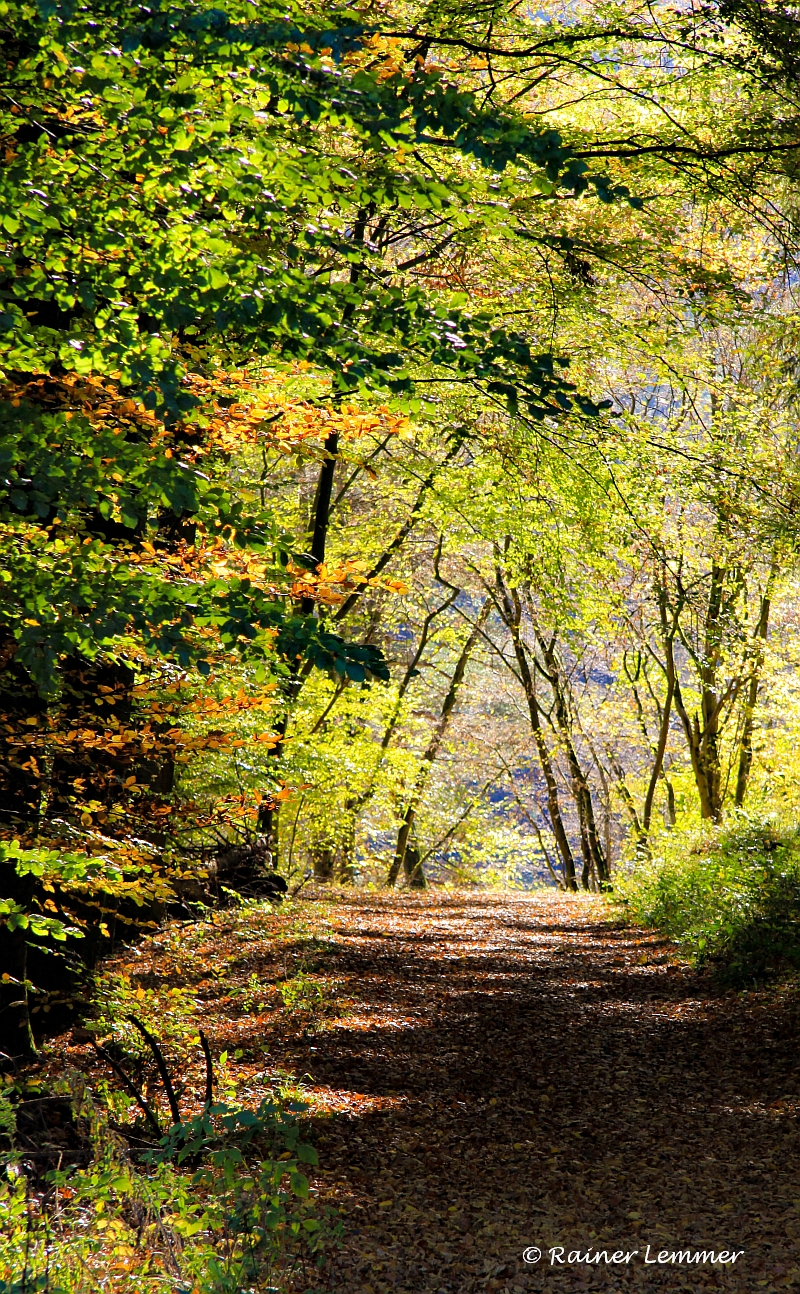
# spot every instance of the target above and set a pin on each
(668, 632)
(403, 533)
(546, 855)
(319, 532)
(346, 860)
(709, 700)
(323, 863)
(624, 793)
(512, 614)
(602, 773)
(320, 521)
(746, 747)
(664, 715)
(407, 826)
(672, 815)
(702, 730)
(432, 749)
(411, 671)
(322, 509)
(706, 784)
(704, 758)
(267, 814)
(412, 866)
(594, 862)
(691, 731)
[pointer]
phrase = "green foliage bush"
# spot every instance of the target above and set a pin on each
(731, 897)
(244, 1219)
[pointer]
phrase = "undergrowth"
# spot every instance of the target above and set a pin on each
(164, 1184)
(219, 1206)
(730, 897)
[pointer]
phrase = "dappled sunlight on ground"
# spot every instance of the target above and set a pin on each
(496, 1071)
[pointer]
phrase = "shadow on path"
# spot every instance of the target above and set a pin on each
(550, 1079)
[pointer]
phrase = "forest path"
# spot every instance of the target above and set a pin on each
(526, 1072)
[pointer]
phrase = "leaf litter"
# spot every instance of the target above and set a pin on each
(488, 1072)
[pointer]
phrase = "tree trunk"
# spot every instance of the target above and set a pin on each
(624, 793)
(403, 532)
(594, 861)
(710, 703)
(448, 706)
(320, 521)
(706, 772)
(691, 730)
(412, 866)
(746, 746)
(361, 801)
(323, 862)
(512, 609)
(671, 813)
(668, 632)
(346, 854)
(702, 730)
(268, 814)
(22, 764)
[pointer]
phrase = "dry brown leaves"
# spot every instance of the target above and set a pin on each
(518, 1071)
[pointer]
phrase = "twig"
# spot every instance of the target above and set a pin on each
(209, 1069)
(433, 849)
(559, 882)
(301, 885)
(134, 1091)
(162, 1068)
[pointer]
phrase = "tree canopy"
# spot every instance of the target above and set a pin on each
(398, 444)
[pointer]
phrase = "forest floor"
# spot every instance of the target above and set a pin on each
(492, 1072)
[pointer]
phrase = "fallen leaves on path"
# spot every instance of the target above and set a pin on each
(510, 1071)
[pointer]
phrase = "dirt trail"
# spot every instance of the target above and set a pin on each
(541, 1076)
